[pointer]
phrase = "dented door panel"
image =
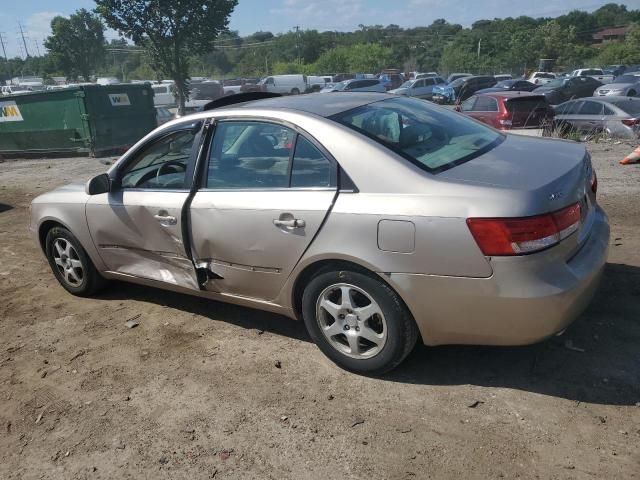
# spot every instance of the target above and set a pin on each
(139, 233)
(235, 236)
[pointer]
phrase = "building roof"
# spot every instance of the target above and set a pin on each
(610, 32)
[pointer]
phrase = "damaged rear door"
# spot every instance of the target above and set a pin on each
(265, 193)
(138, 226)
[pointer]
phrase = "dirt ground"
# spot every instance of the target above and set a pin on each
(206, 390)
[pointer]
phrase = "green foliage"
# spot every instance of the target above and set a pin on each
(76, 44)
(170, 30)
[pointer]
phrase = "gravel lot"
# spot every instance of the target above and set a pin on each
(207, 390)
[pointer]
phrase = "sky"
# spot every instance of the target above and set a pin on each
(282, 15)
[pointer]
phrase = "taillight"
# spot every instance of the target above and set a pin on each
(631, 122)
(518, 236)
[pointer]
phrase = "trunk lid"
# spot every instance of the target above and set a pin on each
(551, 174)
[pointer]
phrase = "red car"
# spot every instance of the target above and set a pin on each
(509, 110)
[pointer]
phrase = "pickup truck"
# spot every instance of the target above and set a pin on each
(595, 73)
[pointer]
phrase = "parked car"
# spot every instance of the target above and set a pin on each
(13, 90)
(163, 94)
(510, 85)
(541, 78)
(503, 76)
(450, 231)
(595, 73)
(616, 69)
(464, 87)
(163, 115)
(455, 76)
(418, 76)
(284, 84)
(207, 90)
(232, 86)
(624, 85)
(391, 81)
(251, 85)
(563, 89)
(421, 88)
(612, 116)
(341, 77)
(522, 112)
(315, 83)
(373, 85)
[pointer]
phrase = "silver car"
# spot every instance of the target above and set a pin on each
(420, 88)
(356, 85)
(627, 85)
(378, 220)
(617, 117)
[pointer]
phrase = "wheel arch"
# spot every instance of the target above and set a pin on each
(327, 264)
(44, 228)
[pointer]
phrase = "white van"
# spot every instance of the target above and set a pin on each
(285, 84)
(163, 94)
(107, 81)
(317, 83)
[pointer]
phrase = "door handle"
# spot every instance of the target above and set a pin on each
(293, 223)
(166, 219)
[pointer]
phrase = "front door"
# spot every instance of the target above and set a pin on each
(265, 195)
(137, 228)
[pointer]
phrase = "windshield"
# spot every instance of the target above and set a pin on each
(432, 138)
(407, 84)
(457, 82)
(339, 86)
(626, 79)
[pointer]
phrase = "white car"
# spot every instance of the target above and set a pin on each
(595, 73)
(541, 78)
(163, 94)
(284, 84)
(13, 89)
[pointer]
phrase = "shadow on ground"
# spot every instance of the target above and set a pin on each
(4, 207)
(606, 372)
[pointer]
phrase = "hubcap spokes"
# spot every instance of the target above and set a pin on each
(351, 320)
(68, 262)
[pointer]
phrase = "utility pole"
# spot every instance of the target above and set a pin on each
(35, 42)
(4, 51)
(479, 46)
(24, 42)
(297, 28)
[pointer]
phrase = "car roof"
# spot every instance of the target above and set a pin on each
(316, 103)
(511, 94)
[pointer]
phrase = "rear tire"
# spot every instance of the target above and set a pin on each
(70, 263)
(357, 321)
(632, 93)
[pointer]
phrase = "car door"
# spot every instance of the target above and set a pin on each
(591, 117)
(485, 109)
(427, 90)
(137, 227)
(265, 194)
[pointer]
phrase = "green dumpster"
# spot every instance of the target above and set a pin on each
(89, 119)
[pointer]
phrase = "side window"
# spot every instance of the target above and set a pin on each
(310, 167)
(573, 108)
(591, 108)
(418, 84)
(468, 105)
(270, 81)
(486, 104)
(608, 111)
(428, 82)
(248, 155)
(161, 165)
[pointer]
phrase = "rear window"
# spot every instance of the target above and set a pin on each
(432, 138)
(544, 75)
(526, 105)
(632, 107)
(627, 79)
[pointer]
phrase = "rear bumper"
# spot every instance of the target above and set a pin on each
(527, 299)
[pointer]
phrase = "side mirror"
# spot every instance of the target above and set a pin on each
(98, 184)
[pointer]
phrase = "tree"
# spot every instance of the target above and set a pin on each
(170, 30)
(77, 44)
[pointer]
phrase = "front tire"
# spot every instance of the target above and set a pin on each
(295, 91)
(358, 321)
(70, 263)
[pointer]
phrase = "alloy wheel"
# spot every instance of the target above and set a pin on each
(68, 262)
(351, 320)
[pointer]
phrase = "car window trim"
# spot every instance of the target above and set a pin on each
(337, 169)
(133, 156)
